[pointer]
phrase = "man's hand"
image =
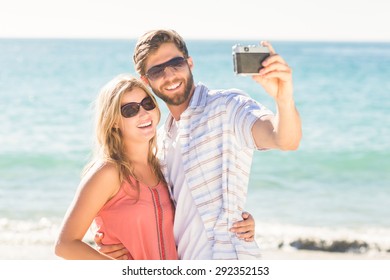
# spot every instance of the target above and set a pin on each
(245, 229)
(116, 251)
(284, 130)
(276, 76)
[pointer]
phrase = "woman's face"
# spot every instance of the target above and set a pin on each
(138, 127)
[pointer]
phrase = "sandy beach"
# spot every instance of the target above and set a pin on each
(45, 252)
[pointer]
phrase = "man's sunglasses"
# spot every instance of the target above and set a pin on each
(131, 109)
(158, 71)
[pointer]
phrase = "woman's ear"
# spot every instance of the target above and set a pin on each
(145, 80)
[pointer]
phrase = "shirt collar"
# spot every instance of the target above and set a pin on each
(198, 101)
(199, 97)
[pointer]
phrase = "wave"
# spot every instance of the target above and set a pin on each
(269, 236)
(43, 231)
(336, 240)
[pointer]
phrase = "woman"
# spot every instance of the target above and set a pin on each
(123, 189)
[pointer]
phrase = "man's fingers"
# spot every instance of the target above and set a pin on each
(245, 215)
(277, 66)
(114, 252)
(110, 248)
(124, 257)
(283, 76)
(120, 254)
(269, 46)
(242, 226)
(249, 235)
(98, 238)
(247, 222)
(274, 58)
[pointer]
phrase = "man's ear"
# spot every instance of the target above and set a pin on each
(190, 62)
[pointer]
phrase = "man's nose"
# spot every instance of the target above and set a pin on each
(169, 72)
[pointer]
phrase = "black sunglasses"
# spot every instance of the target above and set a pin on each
(158, 71)
(131, 109)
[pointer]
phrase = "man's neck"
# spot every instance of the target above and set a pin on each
(177, 110)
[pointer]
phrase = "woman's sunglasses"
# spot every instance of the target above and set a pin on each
(158, 71)
(131, 109)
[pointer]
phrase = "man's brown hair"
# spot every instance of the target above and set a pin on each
(150, 42)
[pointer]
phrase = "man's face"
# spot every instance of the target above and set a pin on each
(169, 75)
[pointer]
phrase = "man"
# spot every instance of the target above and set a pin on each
(207, 143)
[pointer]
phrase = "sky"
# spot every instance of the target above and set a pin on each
(293, 20)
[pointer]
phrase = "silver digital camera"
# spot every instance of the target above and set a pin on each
(247, 59)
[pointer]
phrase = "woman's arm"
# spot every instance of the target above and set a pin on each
(95, 189)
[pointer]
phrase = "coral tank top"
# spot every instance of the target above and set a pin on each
(144, 227)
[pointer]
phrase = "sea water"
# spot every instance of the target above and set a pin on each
(333, 193)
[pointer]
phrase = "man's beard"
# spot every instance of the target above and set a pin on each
(178, 99)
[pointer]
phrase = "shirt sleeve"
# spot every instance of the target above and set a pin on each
(243, 113)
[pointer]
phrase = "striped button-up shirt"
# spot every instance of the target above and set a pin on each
(217, 148)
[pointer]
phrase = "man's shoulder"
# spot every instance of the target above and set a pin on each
(227, 92)
(227, 95)
(204, 96)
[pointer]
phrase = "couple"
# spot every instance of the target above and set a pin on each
(204, 156)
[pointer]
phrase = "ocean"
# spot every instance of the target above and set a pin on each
(332, 194)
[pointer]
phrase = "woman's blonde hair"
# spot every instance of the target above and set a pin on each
(108, 137)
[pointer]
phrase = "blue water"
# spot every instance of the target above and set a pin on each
(335, 187)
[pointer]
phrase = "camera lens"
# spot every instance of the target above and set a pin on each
(246, 49)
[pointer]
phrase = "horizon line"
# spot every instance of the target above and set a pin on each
(300, 40)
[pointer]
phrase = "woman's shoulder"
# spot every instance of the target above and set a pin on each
(101, 168)
(102, 175)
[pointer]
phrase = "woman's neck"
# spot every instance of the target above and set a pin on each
(137, 153)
